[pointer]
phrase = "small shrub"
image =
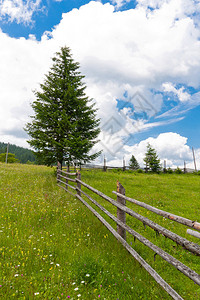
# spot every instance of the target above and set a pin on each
(196, 173)
(169, 171)
(129, 171)
(178, 171)
(140, 171)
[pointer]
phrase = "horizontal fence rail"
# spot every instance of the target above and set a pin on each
(122, 228)
(145, 265)
(184, 221)
(192, 247)
(193, 233)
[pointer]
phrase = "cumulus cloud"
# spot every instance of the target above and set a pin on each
(169, 146)
(18, 10)
(130, 47)
(132, 52)
(23, 64)
(180, 7)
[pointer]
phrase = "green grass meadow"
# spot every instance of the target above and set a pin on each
(52, 247)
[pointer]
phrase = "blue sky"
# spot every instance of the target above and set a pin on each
(140, 60)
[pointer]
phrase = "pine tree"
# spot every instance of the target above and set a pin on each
(64, 127)
(133, 164)
(151, 160)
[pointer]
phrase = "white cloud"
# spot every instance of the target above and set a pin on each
(134, 51)
(140, 52)
(120, 3)
(137, 56)
(180, 7)
(169, 146)
(182, 96)
(23, 64)
(18, 10)
(182, 108)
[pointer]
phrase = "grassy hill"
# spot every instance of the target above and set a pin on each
(24, 155)
(52, 247)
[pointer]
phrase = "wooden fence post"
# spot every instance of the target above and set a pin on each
(104, 164)
(124, 165)
(146, 169)
(121, 215)
(185, 168)
(66, 186)
(78, 176)
(58, 170)
(165, 167)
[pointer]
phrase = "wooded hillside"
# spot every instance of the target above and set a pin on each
(24, 155)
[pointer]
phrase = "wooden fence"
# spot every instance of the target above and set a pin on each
(63, 179)
(125, 167)
(105, 167)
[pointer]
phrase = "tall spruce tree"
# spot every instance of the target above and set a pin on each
(64, 127)
(133, 164)
(152, 162)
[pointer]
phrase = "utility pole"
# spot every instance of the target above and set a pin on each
(195, 167)
(7, 153)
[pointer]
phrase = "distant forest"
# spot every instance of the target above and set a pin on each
(24, 155)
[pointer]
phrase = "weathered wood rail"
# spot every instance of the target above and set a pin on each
(122, 227)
